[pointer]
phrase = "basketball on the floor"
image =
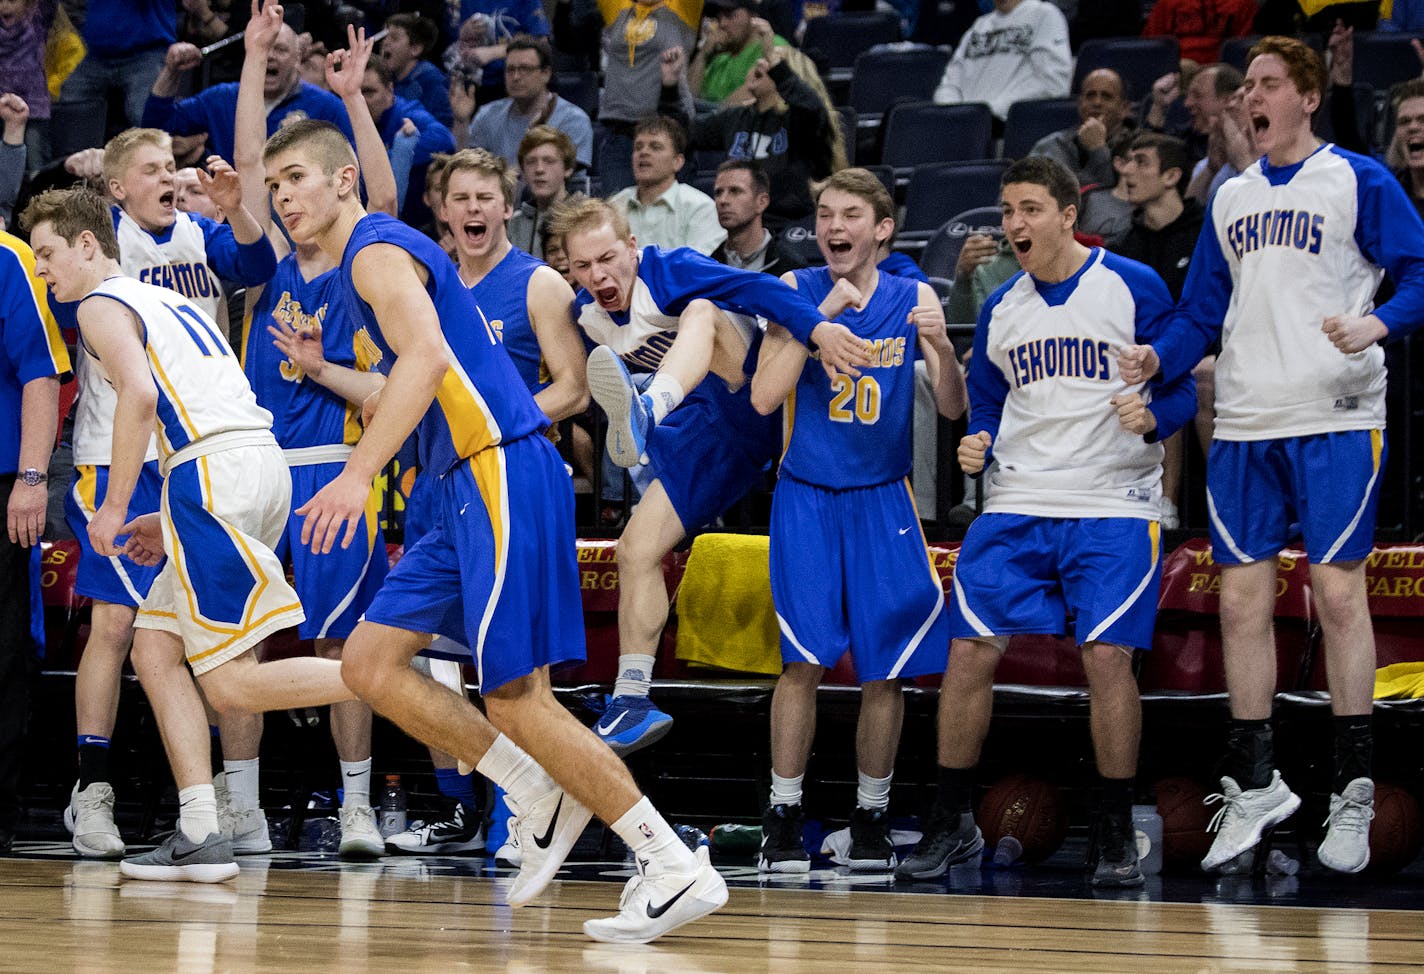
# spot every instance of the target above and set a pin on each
(1395, 833)
(1185, 839)
(1029, 809)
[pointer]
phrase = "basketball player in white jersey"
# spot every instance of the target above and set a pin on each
(226, 494)
(1285, 272)
(186, 253)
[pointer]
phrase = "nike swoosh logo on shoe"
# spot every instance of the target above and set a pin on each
(542, 841)
(656, 911)
(604, 732)
(178, 857)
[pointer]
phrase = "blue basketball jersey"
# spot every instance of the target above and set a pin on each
(304, 412)
(855, 432)
(481, 402)
(503, 298)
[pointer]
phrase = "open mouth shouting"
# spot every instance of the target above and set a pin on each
(839, 248)
(476, 234)
(607, 297)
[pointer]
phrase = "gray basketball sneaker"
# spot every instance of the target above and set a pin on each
(180, 859)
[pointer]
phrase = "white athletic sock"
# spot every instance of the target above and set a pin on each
(514, 771)
(666, 393)
(652, 839)
(356, 783)
(873, 793)
(198, 811)
(243, 779)
(786, 791)
(635, 675)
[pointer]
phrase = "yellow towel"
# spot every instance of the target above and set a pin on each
(724, 613)
(1400, 681)
(64, 49)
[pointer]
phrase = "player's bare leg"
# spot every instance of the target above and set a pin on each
(244, 684)
(238, 787)
(877, 741)
(707, 341)
(1254, 797)
(90, 813)
(351, 733)
(536, 734)
(793, 728)
(1116, 723)
(631, 721)
(966, 705)
(1340, 598)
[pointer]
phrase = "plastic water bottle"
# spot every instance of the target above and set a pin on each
(392, 814)
(1148, 826)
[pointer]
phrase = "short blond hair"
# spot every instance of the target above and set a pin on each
(481, 162)
(584, 214)
(322, 142)
(70, 212)
(118, 149)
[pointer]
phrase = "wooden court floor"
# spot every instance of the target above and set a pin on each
(61, 915)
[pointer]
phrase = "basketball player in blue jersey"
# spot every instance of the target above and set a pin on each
(842, 505)
(309, 370)
(1071, 521)
(528, 305)
(498, 570)
(1285, 272)
(688, 325)
(187, 254)
(225, 499)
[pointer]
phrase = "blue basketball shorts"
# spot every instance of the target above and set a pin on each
(114, 579)
(222, 589)
(1259, 493)
(1018, 573)
(498, 570)
(849, 570)
(711, 450)
(336, 587)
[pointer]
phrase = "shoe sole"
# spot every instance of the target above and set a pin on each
(609, 388)
(251, 848)
(439, 849)
(200, 873)
(90, 852)
(1347, 870)
(1113, 882)
(954, 858)
(360, 849)
(871, 865)
(1275, 817)
(654, 734)
(697, 905)
(572, 822)
(794, 866)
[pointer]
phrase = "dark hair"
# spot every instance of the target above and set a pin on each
(1171, 151)
(760, 182)
(1225, 79)
(667, 125)
(70, 212)
(422, 31)
(1052, 175)
(1304, 65)
(528, 42)
(378, 67)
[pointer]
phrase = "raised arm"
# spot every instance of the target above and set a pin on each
(250, 125)
(550, 301)
(344, 71)
(111, 332)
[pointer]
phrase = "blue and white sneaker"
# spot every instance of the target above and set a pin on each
(631, 723)
(630, 415)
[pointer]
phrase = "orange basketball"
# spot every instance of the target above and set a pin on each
(1029, 809)
(1185, 839)
(1395, 832)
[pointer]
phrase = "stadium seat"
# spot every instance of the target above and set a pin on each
(707, 160)
(1186, 650)
(798, 240)
(942, 249)
(921, 132)
(579, 88)
(1235, 49)
(836, 42)
(1139, 60)
(1385, 59)
(1371, 108)
(884, 77)
(850, 123)
(1029, 121)
(704, 181)
(938, 191)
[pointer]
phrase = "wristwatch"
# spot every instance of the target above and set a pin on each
(31, 477)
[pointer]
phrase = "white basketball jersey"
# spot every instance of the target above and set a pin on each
(177, 260)
(202, 390)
